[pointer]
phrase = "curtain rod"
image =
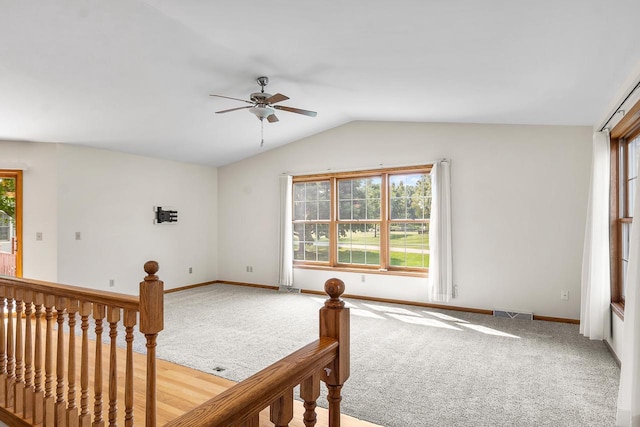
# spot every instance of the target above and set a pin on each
(379, 166)
(619, 106)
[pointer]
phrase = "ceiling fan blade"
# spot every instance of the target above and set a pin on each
(272, 118)
(233, 109)
(235, 99)
(296, 110)
(278, 97)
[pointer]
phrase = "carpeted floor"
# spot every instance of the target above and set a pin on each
(410, 366)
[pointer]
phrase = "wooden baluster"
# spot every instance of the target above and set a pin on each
(61, 412)
(3, 346)
(28, 357)
(334, 323)
(18, 392)
(85, 416)
(38, 396)
(113, 317)
(72, 410)
(309, 392)
(334, 398)
(98, 316)
(130, 318)
(281, 411)
(11, 379)
(151, 323)
(49, 400)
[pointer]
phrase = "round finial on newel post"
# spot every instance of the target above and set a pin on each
(334, 288)
(151, 268)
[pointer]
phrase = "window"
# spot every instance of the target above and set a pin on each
(628, 152)
(625, 151)
(410, 206)
(359, 220)
(311, 216)
(376, 220)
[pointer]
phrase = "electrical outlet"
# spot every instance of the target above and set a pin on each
(190, 270)
(363, 278)
(564, 295)
(455, 291)
(112, 283)
(249, 269)
(39, 235)
(78, 235)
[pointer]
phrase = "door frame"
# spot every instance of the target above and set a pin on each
(17, 175)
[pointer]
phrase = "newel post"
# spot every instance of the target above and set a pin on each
(151, 322)
(334, 323)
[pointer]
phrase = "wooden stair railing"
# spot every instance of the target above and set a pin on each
(39, 374)
(34, 312)
(326, 359)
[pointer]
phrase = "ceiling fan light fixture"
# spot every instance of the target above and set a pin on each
(262, 112)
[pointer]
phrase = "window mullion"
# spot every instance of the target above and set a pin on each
(384, 223)
(333, 227)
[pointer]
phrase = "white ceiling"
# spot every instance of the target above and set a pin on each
(135, 75)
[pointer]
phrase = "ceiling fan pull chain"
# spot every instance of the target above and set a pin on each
(261, 132)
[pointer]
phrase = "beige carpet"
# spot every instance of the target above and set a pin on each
(410, 366)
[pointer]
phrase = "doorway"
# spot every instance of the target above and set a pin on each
(11, 223)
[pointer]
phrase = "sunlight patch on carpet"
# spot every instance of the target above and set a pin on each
(489, 331)
(424, 322)
(445, 317)
(365, 313)
(386, 309)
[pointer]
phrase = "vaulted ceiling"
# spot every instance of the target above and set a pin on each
(135, 75)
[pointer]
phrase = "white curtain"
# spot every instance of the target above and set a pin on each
(628, 414)
(285, 271)
(596, 292)
(440, 264)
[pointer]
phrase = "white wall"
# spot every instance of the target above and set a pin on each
(39, 165)
(519, 204)
(109, 197)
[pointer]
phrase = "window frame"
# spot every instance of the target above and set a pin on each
(622, 134)
(385, 266)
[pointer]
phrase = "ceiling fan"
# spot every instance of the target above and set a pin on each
(263, 105)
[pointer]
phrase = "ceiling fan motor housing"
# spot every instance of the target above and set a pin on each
(260, 97)
(262, 109)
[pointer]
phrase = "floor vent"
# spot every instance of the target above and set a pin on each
(289, 289)
(512, 314)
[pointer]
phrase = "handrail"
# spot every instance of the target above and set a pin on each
(260, 390)
(39, 366)
(128, 302)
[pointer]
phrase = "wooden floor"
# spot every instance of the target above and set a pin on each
(179, 389)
